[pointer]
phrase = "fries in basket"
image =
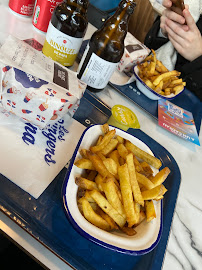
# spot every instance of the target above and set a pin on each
(157, 77)
(118, 187)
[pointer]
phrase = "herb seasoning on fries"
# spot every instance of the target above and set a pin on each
(118, 189)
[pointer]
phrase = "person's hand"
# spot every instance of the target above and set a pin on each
(170, 15)
(186, 39)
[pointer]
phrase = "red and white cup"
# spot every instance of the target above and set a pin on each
(43, 12)
(22, 7)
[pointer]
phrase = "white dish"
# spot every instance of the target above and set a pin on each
(148, 234)
(147, 91)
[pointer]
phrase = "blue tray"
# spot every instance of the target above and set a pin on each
(46, 221)
(186, 100)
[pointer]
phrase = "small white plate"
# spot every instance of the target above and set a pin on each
(148, 234)
(150, 93)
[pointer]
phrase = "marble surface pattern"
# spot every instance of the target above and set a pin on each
(184, 250)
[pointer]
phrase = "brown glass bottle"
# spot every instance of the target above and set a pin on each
(105, 48)
(66, 31)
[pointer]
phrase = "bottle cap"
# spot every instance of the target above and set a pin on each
(123, 118)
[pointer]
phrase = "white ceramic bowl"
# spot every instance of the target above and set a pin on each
(148, 234)
(147, 91)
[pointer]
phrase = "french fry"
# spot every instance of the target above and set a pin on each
(159, 87)
(149, 83)
(162, 192)
(129, 231)
(107, 208)
(160, 67)
(99, 182)
(150, 210)
(121, 161)
(105, 128)
(143, 180)
(99, 139)
(178, 88)
(148, 58)
(88, 197)
(154, 56)
(165, 75)
(167, 91)
(152, 193)
(133, 180)
(108, 219)
(101, 156)
(115, 156)
(147, 170)
(127, 196)
(85, 183)
(166, 82)
(80, 193)
(98, 164)
(120, 139)
(176, 82)
(83, 153)
(152, 68)
(106, 139)
(111, 166)
(153, 161)
(138, 166)
(137, 212)
(123, 152)
(160, 177)
(109, 147)
(112, 196)
(84, 164)
(142, 217)
(91, 176)
(92, 217)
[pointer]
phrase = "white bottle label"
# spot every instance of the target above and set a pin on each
(97, 72)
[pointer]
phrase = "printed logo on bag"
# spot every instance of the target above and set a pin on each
(28, 80)
(134, 47)
(60, 76)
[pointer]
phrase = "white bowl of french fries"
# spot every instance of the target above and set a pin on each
(111, 195)
(155, 81)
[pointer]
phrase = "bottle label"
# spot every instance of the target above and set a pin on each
(61, 47)
(98, 71)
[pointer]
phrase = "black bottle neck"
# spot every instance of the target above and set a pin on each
(79, 6)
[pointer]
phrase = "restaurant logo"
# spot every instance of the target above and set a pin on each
(53, 134)
(28, 80)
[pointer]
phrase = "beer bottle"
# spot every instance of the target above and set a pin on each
(105, 48)
(66, 31)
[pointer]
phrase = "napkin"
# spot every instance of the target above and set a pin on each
(30, 157)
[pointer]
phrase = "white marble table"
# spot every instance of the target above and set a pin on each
(184, 250)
